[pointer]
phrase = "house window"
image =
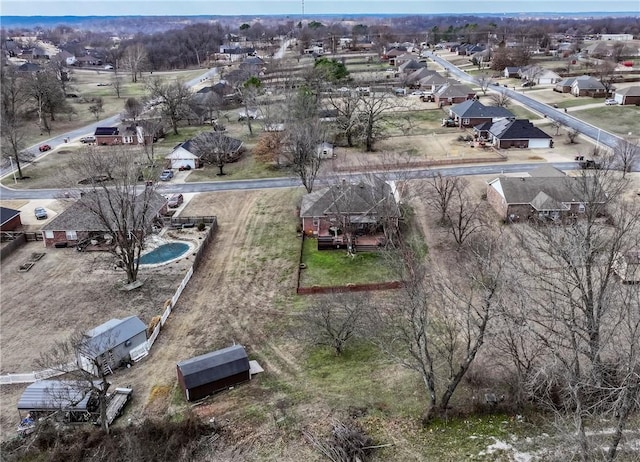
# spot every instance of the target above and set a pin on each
(465, 121)
(127, 139)
(48, 234)
(581, 207)
(315, 222)
(72, 236)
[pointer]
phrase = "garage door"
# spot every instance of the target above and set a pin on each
(538, 143)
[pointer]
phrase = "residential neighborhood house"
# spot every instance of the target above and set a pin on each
(79, 223)
(350, 213)
(555, 197)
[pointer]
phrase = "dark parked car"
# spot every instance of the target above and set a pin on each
(40, 213)
(175, 200)
(166, 175)
(44, 148)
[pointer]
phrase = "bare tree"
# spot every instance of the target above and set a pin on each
(13, 142)
(116, 84)
(123, 210)
(584, 318)
(464, 213)
(270, 147)
(217, 149)
(133, 108)
(96, 108)
(500, 99)
(82, 363)
(174, 98)
(372, 111)
(440, 316)
(333, 320)
(301, 152)
(557, 124)
(484, 80)
(440, 191)
(572, 135)
(347, 443)
(626, 155)
(346, 106)
(134, 59)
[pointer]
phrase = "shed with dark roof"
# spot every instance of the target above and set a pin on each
(9, 219)
(206, 374)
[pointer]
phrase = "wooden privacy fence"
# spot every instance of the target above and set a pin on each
(31, 377)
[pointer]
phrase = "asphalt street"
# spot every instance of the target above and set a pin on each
(595, 133)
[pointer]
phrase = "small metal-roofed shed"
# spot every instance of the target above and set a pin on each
(206, 374)
(47, 396)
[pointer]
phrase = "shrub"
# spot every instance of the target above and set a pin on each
(201, 226)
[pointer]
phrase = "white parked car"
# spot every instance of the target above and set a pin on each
(416, 93)
(610, 102)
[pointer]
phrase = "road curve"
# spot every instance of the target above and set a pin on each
(600, 136)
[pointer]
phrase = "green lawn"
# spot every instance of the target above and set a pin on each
(620, 120)
(336, 268)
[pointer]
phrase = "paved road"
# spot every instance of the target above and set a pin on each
(91, 128)
(288, 182)
(595, 133)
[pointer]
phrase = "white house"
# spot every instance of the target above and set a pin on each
(181, 156)
(548, 77)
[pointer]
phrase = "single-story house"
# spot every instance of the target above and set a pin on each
(403, 58)
(539, 75)
(346, 212)
(9, 219)
(519, 133)
(415, 76)
(471, 113)
(556, 197)
(80, 222)
(206, 374)
(584, 85)
(110, 344)
(627, 267)
(232, 146)
(45, 397)
(452, 93)
(66, 57)
(181, 156)
(410, 66)
(433, 82)
(629, 95)
(108, 136)
(511, 72)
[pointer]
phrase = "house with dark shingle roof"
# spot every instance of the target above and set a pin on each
(410, 66)
(517, 133)
(557, 197)
(80, 222)
(363, 208)
(471, 113)
(9, 219)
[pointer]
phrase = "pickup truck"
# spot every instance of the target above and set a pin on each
(590, 164)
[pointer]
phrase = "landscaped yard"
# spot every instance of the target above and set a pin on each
(337, 268)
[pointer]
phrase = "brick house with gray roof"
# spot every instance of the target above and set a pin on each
(79, 221)
(556, 197)
(471, 113)
(452, 93)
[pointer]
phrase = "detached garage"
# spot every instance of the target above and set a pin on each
(204, 375)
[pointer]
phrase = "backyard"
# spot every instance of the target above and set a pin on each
(325, 268)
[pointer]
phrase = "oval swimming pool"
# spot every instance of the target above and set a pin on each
(164, 253)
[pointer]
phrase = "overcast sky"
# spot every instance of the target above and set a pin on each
(285, 7)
